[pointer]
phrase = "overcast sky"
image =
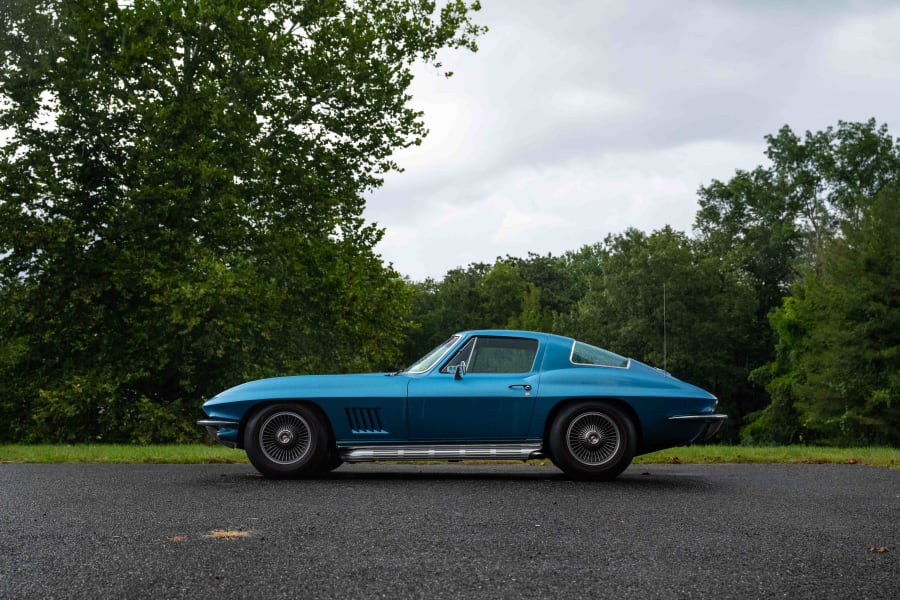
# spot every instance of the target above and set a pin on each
(580, 118)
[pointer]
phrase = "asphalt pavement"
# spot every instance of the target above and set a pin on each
(449, 531)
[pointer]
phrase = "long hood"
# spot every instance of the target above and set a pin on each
(309, 387)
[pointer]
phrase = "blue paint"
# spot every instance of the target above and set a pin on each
(439, 406)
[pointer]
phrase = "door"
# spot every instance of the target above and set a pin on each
(484, 393)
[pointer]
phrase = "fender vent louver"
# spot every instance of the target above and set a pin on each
(364, 420)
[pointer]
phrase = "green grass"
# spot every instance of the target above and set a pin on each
(877, 456)
(201, 453)
(121, 453)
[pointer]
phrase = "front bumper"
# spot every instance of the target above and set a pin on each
(224, 432)
(712, 423)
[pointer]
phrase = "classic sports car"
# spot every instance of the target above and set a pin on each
(479, 395)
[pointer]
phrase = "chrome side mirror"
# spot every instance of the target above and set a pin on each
(460, 370)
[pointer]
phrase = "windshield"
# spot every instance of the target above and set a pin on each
(429, 360)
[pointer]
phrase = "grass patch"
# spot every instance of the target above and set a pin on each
(171, 454)
(877, 456)
(208, 454)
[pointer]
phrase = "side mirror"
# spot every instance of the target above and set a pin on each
(460, 370)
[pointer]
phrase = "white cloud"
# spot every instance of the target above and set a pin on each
(867, 47)
(580, 119)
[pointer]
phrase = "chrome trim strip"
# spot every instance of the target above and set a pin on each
(711, 418)
(627, 360)
(441, 452)
(218, 423)
(439, 359)
(213, 426)
(713, 423)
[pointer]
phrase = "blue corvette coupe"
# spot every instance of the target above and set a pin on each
(479, 395)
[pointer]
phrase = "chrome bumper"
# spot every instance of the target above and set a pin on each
(214, 425)
(713, 423)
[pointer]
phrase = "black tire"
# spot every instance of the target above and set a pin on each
(332, 461)
(592, 440)
(286, 440)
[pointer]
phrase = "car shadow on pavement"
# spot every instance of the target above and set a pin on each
(637, 476)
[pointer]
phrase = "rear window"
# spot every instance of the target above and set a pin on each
(585, 354)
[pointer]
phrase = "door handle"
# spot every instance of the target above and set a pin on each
(524, 386)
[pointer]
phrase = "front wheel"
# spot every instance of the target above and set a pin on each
(286, 440)
(592, 440)
(332, 461)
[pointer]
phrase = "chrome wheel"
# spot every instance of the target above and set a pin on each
(593, 438)
(284, 438)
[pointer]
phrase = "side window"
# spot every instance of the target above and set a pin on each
(585, 354)
(502, 355)
(464, 354)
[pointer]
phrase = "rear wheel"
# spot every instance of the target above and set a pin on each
(592, 440)
(286, 440)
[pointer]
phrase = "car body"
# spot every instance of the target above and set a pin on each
(487, 394)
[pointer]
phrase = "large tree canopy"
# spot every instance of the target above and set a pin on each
(811, 232)
(836, 377)
(181, 197)
(769, 222)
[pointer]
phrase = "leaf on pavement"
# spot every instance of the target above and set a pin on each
(226, 534)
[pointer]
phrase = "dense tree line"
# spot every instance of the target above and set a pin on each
(785, 302)
(181, 197)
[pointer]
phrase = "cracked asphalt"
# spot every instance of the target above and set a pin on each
(449, 531)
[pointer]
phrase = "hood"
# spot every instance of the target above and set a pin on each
(304, 387)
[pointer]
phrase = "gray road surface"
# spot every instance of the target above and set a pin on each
(449, 531)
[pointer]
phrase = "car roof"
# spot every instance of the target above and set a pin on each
(515, 333)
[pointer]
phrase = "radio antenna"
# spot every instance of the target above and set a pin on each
(665, 341)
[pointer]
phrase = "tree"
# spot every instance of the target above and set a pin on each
(837, 374)
(479, 296)
(769, 222)
(776, 224)
(181, 191)
(515, 293)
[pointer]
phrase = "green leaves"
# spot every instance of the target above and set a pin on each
(181, 200)
(839, 334)
(822, 223)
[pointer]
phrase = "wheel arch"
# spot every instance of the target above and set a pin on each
(622, 405)
(263, 404)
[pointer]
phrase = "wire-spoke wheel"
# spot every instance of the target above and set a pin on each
(592, 440)
(286, 440)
